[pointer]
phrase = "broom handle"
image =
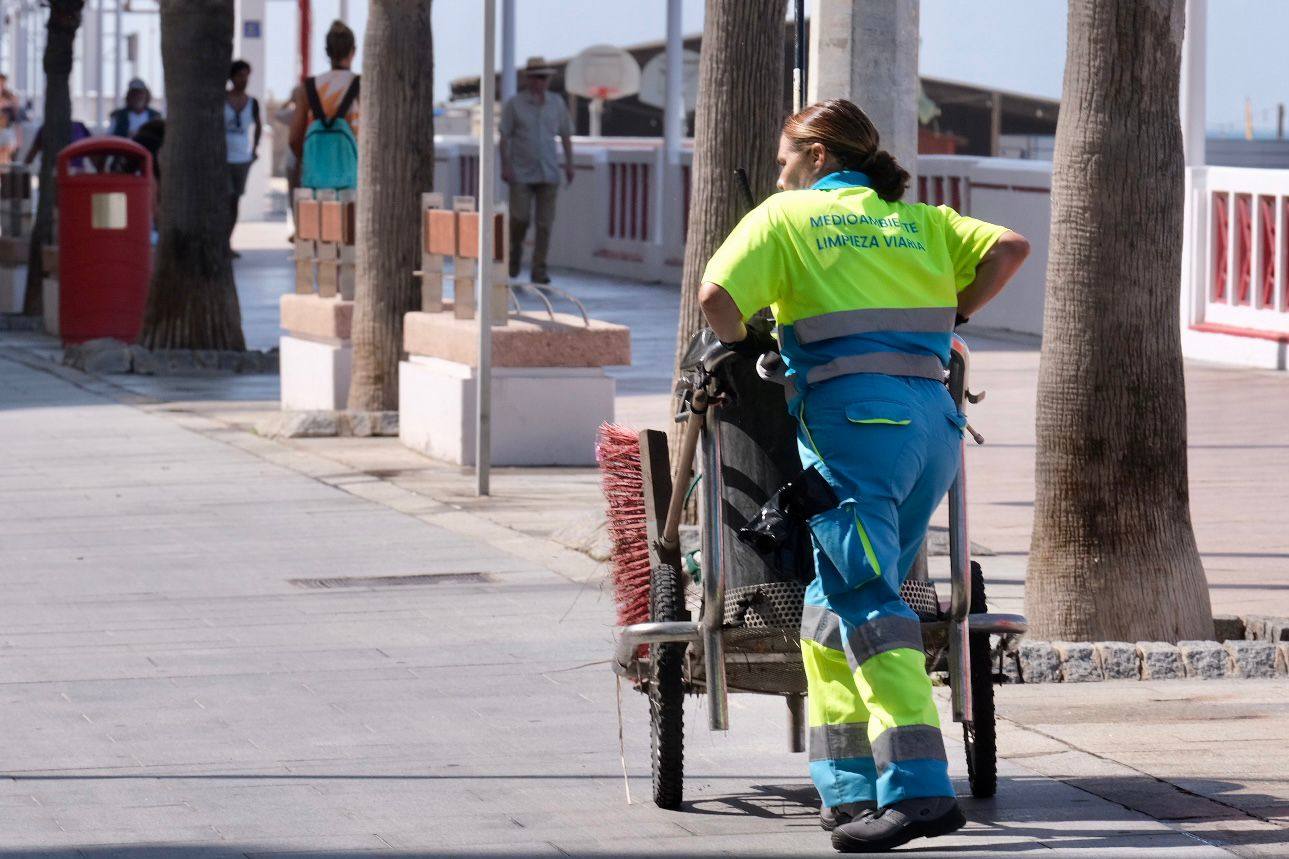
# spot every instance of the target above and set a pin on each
(688, 445)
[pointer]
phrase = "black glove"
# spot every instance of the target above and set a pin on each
(758, 341)
(959, 319)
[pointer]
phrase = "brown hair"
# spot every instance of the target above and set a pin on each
(848, 135)
(340, 41)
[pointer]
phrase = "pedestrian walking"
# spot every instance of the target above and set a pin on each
(125, 121)
(530, 121)
(324, 129)
(866, 291)
(80, 131)
(242, 130)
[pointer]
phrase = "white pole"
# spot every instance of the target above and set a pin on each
(508, 83)
(596, 114)
(118, 49)
(98, 63)
(19, 55)
(37, 64)
(674, 115)
(673, 129)
(483, 397)
(1194, 49)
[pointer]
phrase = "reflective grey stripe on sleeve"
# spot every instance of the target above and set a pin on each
(821, 625)
(887, 363)
(889, 632)
(908, 743)
(846, 322)
(838, 742)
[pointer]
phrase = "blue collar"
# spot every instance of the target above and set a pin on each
(841, 179)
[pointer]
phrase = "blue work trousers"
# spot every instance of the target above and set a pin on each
(890, 447)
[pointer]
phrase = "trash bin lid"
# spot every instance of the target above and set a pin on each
(106, 145)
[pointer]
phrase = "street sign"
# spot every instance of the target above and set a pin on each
(653, 80)
(602, 72)
(251, 29)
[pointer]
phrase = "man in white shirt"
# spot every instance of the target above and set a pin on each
(530, 164)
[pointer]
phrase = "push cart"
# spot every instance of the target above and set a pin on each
(724, 619)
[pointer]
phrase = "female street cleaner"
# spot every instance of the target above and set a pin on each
(866, 291)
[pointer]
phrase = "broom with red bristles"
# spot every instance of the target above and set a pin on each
(617, 450)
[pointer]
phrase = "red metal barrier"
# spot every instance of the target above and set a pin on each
(1267, 250)
(1220, 224)
(1243, 247)
(629, 201)
(468, 176)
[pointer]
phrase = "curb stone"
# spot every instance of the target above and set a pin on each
(1229, 627)
(1264, 628)
(1083, 662)
(1252, 658)
(327, 424)
(1039, 662)
(1118, 660)
(108, 356)
(1206, 660)
(1250, 646)
(1160, 661)
(1079, 663)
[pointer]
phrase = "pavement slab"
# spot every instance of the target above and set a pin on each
(169, 689)
(205, 649)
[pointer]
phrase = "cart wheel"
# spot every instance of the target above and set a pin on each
(667, 692)
(980, 736)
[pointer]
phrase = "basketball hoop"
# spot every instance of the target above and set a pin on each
(602, 73)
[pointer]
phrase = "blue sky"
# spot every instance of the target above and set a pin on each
(1011, 44)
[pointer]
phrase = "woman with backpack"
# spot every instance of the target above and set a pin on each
(241, 113)
(324, 130)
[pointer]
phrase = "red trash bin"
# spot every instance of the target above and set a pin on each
(104, 239)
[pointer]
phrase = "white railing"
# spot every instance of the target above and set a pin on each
(1238, 247)
(945, 180)
(616, 219)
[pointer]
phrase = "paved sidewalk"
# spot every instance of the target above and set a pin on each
(187, 662)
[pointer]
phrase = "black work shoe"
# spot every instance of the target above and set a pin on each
(923, 817)
(541, 277)
(832, 817)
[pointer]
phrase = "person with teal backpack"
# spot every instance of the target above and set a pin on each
(330, 156)
(324, 130)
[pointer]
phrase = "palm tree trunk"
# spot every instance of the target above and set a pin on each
(192, 299)
(1113, 556)
(395, 165)
(736, 124)
(56, 133)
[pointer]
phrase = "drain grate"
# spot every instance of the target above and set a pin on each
(393, 581)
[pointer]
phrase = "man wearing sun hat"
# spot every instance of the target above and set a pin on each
(137, 113)
(530, 165)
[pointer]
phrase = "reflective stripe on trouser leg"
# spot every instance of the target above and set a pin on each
(884, 651)
(841, 760)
